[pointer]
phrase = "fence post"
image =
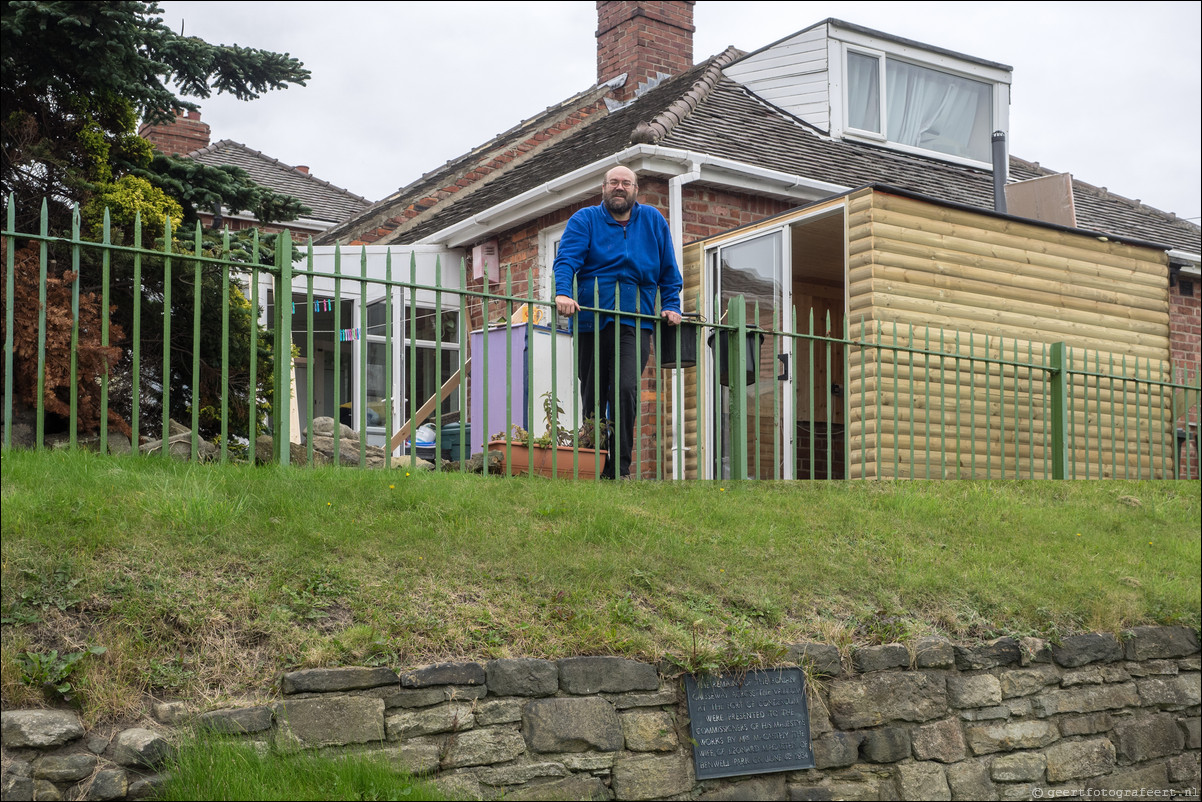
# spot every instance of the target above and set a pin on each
(281, 406)
(737, 376)
(1059, 411)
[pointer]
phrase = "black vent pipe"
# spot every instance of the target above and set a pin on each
(1000, 164)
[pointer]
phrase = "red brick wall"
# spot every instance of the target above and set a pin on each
(642, 38)
(1185, 343)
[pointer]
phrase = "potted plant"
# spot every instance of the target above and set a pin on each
(579, 453)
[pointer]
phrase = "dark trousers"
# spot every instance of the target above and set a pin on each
(597, 376)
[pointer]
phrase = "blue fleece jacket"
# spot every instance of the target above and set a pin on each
(636, 259)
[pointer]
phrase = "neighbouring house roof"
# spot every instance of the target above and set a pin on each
(704, 112)
(328, 203)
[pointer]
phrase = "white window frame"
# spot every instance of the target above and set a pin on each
(879, 55)
(548, 242)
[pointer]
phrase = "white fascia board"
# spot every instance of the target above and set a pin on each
(1194, 266)
(585, 181)
(318, 226)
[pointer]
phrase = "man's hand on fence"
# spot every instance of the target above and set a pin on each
(673, 318)
(566, 306)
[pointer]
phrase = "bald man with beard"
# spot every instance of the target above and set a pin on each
(623, 249)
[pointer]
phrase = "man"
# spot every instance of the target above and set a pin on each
(624, 250)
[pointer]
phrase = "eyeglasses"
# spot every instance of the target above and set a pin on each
(613, 183)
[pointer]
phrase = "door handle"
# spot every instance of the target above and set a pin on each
(784, 361)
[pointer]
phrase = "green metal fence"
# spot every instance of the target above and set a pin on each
(792, 399)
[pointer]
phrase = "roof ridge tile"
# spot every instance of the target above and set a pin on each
(652, 131)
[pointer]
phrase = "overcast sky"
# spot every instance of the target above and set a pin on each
(1107, 91)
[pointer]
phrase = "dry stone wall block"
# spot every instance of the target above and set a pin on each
(875, 700)
(572, 725)
(942, 741)
(584, 675)
(39, 729)
(522, 677)
(984, 739)
(652, 776)
(483, 747)
(331, 720)
(1075, 760)
(333, 680)
(921, 781)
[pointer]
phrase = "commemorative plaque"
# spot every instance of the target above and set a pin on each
(749, 724)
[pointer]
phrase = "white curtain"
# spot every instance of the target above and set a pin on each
(863, 93)
(937, 111)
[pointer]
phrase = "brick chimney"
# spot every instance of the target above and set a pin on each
(644, 39)
(186, 134)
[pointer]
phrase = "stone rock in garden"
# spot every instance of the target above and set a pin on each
(109, 784)
(324, 427)
(39, 729)
(140, 747)
(583, 675)
(572, 725)
(326, 680)
(1147, 643)
(475, 463)
(15, 787)
(65, 768)
(522, 677)
(652, 777)
(46, 791)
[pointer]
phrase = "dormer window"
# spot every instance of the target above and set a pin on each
(859, 84)
(919, 107)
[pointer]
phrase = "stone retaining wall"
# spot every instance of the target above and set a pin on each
(1093, 715)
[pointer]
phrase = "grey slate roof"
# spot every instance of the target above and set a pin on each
(723, 118)
(327, 202)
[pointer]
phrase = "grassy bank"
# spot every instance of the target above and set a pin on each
(206, 581)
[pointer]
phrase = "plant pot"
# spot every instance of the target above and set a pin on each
(542, 460)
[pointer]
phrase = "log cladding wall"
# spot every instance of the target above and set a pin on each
(991, 292)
